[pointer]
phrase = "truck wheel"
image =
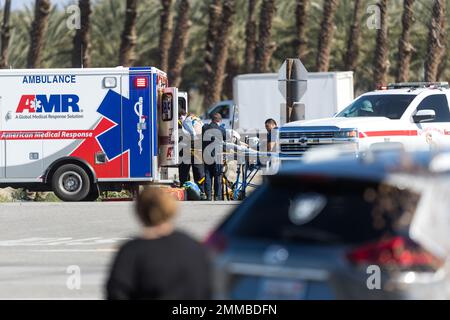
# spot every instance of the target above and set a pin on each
(71, 183)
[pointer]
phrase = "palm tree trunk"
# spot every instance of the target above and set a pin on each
(436, 40)
(81, 41)
(381, 62)
(443, 66)
(220, 55)
(301, 15)
(326, 35)
(38, 30)
(405, 48)
(250, 37)
(5, 35)
(265, 48)
(179, 43)
(165, 34)
(214, 12)
(232, 70)
(353, 43)
(129, 38)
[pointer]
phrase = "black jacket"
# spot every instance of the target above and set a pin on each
(210, 133)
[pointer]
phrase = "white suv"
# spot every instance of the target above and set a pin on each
(415, 116)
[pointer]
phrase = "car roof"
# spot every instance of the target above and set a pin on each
(406, 91)
(372, 167)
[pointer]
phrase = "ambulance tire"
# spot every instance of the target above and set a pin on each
(94, 194)
(71, 183)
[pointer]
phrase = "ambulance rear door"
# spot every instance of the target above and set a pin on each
(168, 127)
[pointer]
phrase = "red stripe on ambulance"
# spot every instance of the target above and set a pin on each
(46, 135)
(391, 133)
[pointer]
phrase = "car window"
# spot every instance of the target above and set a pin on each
(439, 104)
(391, 106)
(338, 212)
(224, 111)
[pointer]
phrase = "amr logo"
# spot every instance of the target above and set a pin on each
(48, 104)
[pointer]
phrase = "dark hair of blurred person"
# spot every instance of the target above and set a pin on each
(162, 263)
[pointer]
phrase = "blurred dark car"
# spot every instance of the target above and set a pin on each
(334, 229)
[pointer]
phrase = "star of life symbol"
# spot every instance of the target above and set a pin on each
(138, 110)
(35, 105)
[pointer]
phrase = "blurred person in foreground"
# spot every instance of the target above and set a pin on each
(161, 263)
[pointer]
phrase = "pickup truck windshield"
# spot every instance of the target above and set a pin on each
(391, 106)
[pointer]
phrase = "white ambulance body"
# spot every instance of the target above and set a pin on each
(75, 131)
(411, 116)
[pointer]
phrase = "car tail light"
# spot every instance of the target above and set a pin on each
(216, 241)
(394, 252)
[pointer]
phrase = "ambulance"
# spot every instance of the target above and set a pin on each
(78, 132)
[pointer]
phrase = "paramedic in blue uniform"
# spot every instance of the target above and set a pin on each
(214, 136)
(190, 130)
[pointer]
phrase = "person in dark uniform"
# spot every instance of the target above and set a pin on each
(190, 127)
(162, 263)
(214, 136)
(270, 125)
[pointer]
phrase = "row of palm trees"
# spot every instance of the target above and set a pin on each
(264, 43)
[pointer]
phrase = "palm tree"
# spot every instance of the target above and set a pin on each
(179, 43)
(405, 48)
(326, 35)
(38, 29)
(220, 55)
(353, 43)
(165, 34)
(381, 61)
(232, 70)
(5, 35)
(250, 37)
(301, 15)
(436, 40)
(265, 47)
(129, 38)
(214, 12)
(81, 41)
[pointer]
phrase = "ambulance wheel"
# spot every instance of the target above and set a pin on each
(71, 183)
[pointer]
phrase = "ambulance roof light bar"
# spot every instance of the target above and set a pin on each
(416, 85)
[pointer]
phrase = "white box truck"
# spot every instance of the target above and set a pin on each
(256, 98)
(78, 131)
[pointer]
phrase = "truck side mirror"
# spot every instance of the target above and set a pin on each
(425, 115)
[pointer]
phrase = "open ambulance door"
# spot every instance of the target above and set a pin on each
(183, 101)
(168, 127)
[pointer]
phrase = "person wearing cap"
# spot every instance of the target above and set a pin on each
(366, 109)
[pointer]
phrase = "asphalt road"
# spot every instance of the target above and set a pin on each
(43, 246)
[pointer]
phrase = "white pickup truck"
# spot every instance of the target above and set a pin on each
(414, 116)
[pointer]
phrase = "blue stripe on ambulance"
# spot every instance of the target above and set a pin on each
(155, 113)
(138, 142)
